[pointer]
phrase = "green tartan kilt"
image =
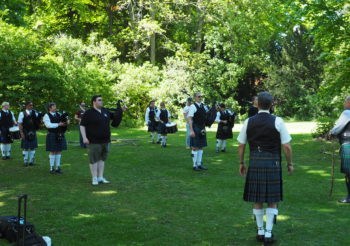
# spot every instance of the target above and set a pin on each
(264, 178)
(345, 158)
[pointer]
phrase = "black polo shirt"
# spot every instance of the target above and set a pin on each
(97, 125)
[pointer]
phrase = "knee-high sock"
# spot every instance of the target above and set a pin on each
(259, 217)
(8, 153)
(218, 143)
(347, 182)
(52, 161)
(3, 150)
(58, 161)
(270, 218)
(165, 139)
(158, 136)
(25, 156)
(31, 156)
(152, 135)
(199, 157)
(223, 144)
(194, 157)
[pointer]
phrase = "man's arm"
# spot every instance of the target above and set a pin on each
(287, 149)
(83, 134)
(242, 168)
(341, 123)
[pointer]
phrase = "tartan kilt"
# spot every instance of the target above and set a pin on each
(162, 128)
(30, 144)
(200, 140)
(345, 158)
(52, 144)
(5, 136)
(224, 132)
(153, 126)
(264, 178)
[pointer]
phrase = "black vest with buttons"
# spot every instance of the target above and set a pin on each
(30, 121)
(164, 115)
(344, 135)
(200, 116)
(262, 134)
(6, 119)
(152, 114)
(54, 119)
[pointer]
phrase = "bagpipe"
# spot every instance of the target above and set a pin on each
(211, 115)
(117, 112)
(63, 118)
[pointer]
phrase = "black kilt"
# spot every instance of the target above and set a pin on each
(30, 144)
(162, 128)
(153, 126)
(53, 145)
(264, 178)
(200, 140)
(345, 158)
(5, 135)
(224, 131)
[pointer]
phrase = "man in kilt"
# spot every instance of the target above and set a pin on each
(266, 135)
(163, 117)
(150, 119)
(7, 120)
(55, 139)
(29, 122)
(342, 131)
(225, 120)
(196, 119)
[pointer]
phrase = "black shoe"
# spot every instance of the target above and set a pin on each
(152, 141)
(269, 240)
(217, 150)
(26, 164)
(31, 164)
(196, 169)
(345, 200)
(158, 142)
(164, 145)
(52, 171)
(260, 238)
(223, 150)
(59, 171)
(4, 158)
(7, 157)
(201, 167)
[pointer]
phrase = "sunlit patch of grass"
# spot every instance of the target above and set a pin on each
(107, 192)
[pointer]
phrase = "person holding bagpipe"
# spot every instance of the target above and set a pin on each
(78, 115)
(150, 119)
(163, 117)
(56, 124)
(96, 133)
(225, 119)
(29, 123)
(7, 120)
(342, 131)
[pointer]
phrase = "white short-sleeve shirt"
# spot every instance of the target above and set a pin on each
(279, 125)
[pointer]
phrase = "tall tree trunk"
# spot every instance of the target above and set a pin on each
(199, 35)
(153, 37)
(134, 20)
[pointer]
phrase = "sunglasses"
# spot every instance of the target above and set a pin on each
(199, 96)
(99, 100)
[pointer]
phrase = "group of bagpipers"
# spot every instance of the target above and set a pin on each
(265, 133)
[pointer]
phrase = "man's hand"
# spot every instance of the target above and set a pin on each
(242, 170)
(86, 141)
(192, 134)
(224, 121)
(62, 124)
(22, 136)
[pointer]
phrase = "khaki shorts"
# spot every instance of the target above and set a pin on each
(97, 152)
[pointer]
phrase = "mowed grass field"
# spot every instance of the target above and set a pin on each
(156, 199)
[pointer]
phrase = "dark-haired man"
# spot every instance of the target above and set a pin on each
(7, 120)
(266, 135)
(342, 131)
(29, 122)
(96, 134)
(196, 119)
(150, 120)
(225, 119)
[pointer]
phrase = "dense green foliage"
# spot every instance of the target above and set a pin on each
(64, 51)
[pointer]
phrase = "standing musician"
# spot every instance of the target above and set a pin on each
(7, 120)
(196, 119)
(78, 116)
(55, 139)
(29, 123)
(163, 117)
(225, 118)
(150, 119)
(265, 134)
(342, 131)
(186, 109)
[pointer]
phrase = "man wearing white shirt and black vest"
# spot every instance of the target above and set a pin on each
(7, 120)
(196, 119)
(29, 122)
(150, 120)
(225, 119)
(55, 139)
(342, 131)
(266, 135)
(163, 117)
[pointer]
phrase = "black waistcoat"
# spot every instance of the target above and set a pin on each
(152, 113)
(164, 115)
(30, 122)
(344, 135)
(224, 115)
(200, 116)
(54, 119)
(6, 119)
(262, 134)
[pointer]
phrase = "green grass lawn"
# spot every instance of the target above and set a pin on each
(156, 199)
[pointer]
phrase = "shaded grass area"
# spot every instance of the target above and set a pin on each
(156, 199)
